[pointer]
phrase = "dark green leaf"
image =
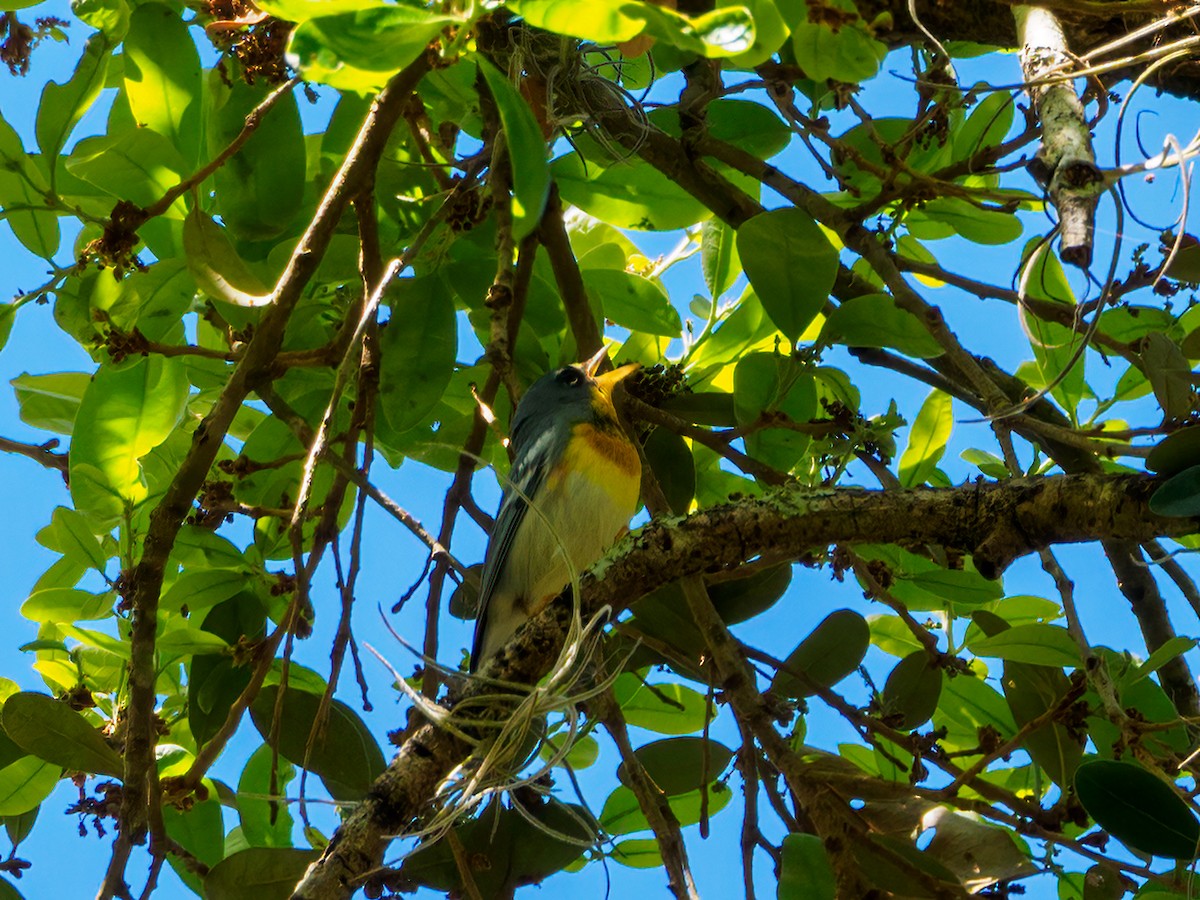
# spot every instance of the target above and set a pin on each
(806, 873)
(765, 383)
(1175, 453)
(344, 753)
(835, 648)
(912, 690)
(261, 873)
(671, 459)
(790, 264)
(1179, 495)
(681, 764)
(260, 189)
(1137, 808)
(52, 731)
(506, 848)
(1030, 691)
(418, 347)
(744, 598)
(986, 126)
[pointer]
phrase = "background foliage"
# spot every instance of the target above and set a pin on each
(309, 254)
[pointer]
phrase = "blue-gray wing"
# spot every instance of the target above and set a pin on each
(525, 479)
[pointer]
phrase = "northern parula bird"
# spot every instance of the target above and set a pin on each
(571, 492)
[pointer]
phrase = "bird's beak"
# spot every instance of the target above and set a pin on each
(609, 380)
(590, 366)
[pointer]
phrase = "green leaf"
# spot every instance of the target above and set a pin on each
(633, 302)
(986, 126)
(23, 199)
(265, 822)
(671, 460)
(52, 731)
(359, 50)
(719, 259)
(1179, 495)
(260, 189)
(874, 320)
(56, 605)
(70, 534)
(162, 76)
(1169, 650)
(1044, 645)
(198, 829)
(835, 648)
(1175, 453)
(765, 383)
(981, 226)
(790, 264)
(583, 753)
(622, 814)
(344, 754)
(202, 589)
(805, 872)
(215, 265)
(418, 349)
(849, 53)
(506, 848)
(740, 599)
(1137, 808)
(1030, 691)
(927, 439)
(26, 783)
(664, 707)
(912, 690)
(139, 166)
(63, 105)
(50, 402)
(603, 21)
(262, 873)
(526, 152)
(681, 764)
(631, 194)
(637, 853)
(124, 414)
(1170, 375)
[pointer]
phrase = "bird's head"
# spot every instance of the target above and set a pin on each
(574, 393)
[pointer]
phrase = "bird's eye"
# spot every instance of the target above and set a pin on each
(570, 375)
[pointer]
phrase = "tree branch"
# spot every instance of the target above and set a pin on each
(997, 521)
(168, 516)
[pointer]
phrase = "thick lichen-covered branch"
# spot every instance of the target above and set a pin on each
(997, 522)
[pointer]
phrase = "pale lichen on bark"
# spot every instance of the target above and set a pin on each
(1066, 158)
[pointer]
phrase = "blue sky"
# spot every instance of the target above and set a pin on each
(393, 559)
